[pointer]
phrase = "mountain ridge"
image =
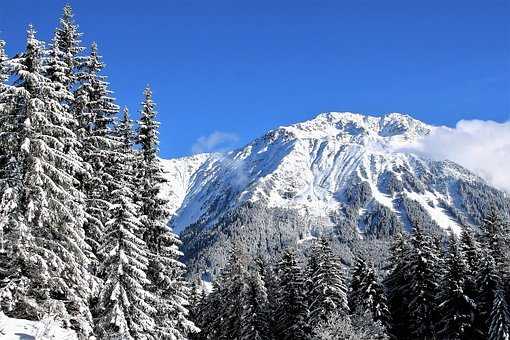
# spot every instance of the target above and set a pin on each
(339, 172)
(379, 135)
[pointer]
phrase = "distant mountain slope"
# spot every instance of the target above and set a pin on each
(339, 173)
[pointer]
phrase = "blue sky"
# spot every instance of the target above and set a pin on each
(231, 70)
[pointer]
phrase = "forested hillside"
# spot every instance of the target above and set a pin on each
(429, 287)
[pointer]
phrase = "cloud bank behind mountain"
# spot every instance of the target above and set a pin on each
(480, 146)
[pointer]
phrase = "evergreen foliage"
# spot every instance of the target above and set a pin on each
(46, 200)
(292, 311)
(397, 287)
(329, 292)
(367, 293)
(124, 304)
(423, 284)
(499, 318)
(458, 310)
(68, 174)
(165, 269)
(255, 323)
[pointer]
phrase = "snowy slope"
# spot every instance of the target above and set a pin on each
(14, 329)
(309, 166)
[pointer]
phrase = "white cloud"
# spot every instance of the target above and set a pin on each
(215, 142)
(480, 146)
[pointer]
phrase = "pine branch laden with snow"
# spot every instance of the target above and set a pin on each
(499, 327)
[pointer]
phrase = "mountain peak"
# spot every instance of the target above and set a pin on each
(358, 128)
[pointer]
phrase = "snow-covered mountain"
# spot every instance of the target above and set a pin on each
(335, 172)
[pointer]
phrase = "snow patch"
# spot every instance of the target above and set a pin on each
(436, 213)
(47, 329)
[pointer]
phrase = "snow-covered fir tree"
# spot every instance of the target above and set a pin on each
(292, 311)
(165, 269)
(255, 323)
(423, 284)
(367, 293)
(206, 315)
(488, 281)
(397, 287)
(495, 236)
(6, 124)
(470, 250)
(55, 70)
(499, 327)
(329, 289)
(457, 309)
(4, 73)
(48, 199)
(60, 68)
(356, 288)
(271, 281)
(95, 110)
(124, 308)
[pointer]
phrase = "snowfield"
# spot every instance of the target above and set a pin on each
(14, 329)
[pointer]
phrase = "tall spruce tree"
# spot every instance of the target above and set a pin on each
(470, 249)
(255, 323)
(271, 282)
(208, 316)
(4, 75)
(165, 269)
(423, 284)
(125, 310)
(457, 309)
(488, 281)
(48, 199)
(292, 313)
(397, 288)
(95, 110)
(6, 124)
(495, 231)
(329, 292)
(367, 293)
